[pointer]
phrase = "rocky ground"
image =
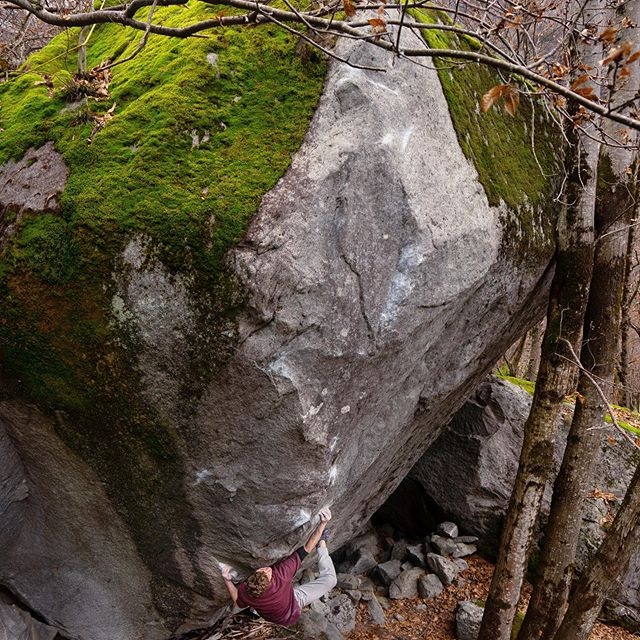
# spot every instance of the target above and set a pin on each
(407, 619)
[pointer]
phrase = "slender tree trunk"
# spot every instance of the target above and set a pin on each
(567, 301)
(515, 363)
(612, 558)
(536, 334)
(83, 36)
(599, 354)
(628, 295)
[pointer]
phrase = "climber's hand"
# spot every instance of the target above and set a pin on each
(325, 514)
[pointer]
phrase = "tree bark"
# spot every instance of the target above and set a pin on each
(567, 301)
(565, 315)
(536, 335)
(610, 561)
(599, 353)
(615, 204)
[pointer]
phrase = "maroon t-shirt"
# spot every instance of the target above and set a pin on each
(277, 604)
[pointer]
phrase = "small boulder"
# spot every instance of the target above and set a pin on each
(389, 571)
(314, 625)
(416, 555)
(468, 620)
(429, 586)
(364, 563)
(406, 584)
(462, 550)
(339, 610)
(448, 529)
(399, 551)
(444, 546)
(445, 569)
(376, 612)
(347, 581)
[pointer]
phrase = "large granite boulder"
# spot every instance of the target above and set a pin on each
(179, 389)
(470, 469)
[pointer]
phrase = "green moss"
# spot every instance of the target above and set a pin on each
(527, 385)
(516, 157)
(623, 425)
(140, 173)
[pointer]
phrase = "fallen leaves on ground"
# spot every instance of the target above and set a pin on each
(412, 619)
(437, 620)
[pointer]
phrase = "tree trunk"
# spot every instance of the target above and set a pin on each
(565, 314)
(599, 353)
(629, 294)
(616, 202)
(536, 335)
(567, 301)
(610, 561)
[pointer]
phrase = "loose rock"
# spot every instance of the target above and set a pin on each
(429, 586)
(468, 620)
(406, 584)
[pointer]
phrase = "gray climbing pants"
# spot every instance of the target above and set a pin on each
(326, 580)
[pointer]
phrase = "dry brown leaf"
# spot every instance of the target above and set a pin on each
(580, 80)
(378, 25)
(586, 92)
(617, 53)
(349, 8)
(511, 100)
(609, 34)
(492, 96)
(602, 495)
(633, 57)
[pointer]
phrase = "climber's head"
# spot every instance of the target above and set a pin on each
(258, 582)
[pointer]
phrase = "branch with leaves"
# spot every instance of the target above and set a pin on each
(519, 40)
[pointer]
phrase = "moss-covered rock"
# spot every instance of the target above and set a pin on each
(179, 152)
(222, 391)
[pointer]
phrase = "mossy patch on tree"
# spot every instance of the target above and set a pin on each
(517, 158)
(201, 130)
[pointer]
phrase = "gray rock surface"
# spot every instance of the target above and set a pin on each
(445, 569)
(429, 586)
(447, 529)
(315, 626)
(16, 624)
(34, 183)
(339, 610)
(468, 620)
(58, 488)
(415, 554)
(376, 612)
(389, 571)
(470, 469)
(444, 546)
(406, 584)
(364, 271)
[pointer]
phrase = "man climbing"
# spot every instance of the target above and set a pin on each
(269, 590)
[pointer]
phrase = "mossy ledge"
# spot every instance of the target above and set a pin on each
(517, 158)
(201, 129)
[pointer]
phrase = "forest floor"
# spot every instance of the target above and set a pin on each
(411, 619)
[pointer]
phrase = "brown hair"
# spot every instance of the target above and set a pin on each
(257, 583)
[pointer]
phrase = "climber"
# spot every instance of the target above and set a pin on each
(269, 590)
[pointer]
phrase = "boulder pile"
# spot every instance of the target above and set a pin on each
(378, 567)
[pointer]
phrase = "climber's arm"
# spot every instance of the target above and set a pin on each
(325, 516)
(231, 588)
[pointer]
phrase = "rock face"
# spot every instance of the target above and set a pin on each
(375, 289)
(470, 470)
